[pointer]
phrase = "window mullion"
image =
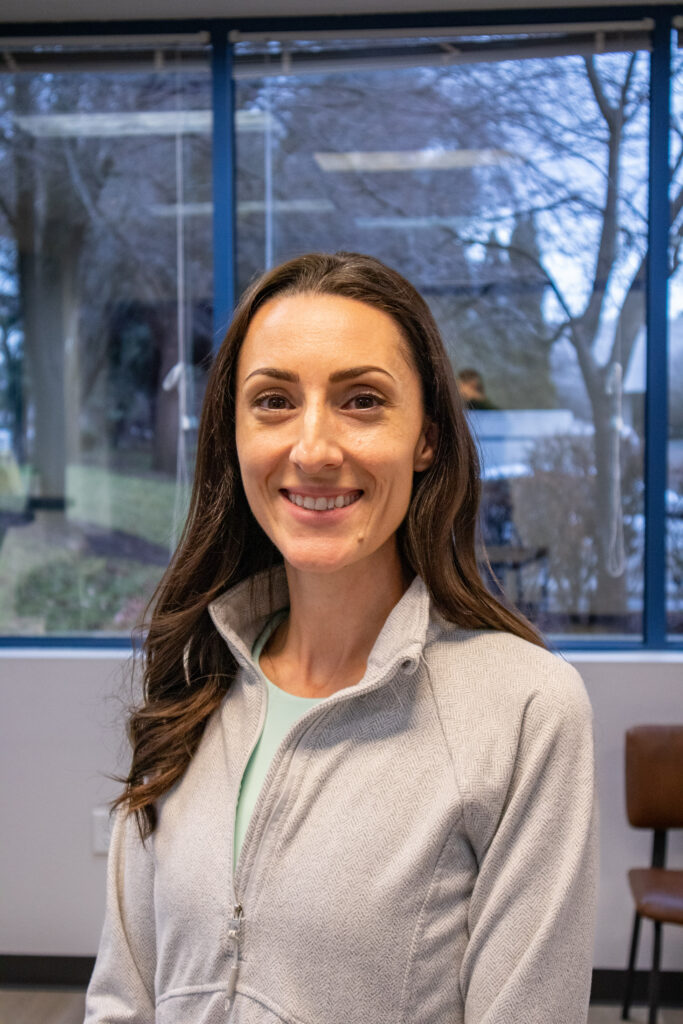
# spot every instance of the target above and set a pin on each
(656, 390)
(223, 180)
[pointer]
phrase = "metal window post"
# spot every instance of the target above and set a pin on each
(223, 166)
(656, 411)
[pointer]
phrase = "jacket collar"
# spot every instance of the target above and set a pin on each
(241, 613)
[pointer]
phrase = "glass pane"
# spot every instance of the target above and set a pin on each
(507, 180)
(674, 494)
(105, 328)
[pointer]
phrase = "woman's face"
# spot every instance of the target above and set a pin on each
(330, 428)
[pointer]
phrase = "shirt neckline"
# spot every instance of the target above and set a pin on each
(260, 642)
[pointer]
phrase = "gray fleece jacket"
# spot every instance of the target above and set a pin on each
(423, 850)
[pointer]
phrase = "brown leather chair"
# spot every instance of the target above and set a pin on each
(654, 799)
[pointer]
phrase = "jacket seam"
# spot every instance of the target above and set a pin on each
(420, 919)
(270, 1004)
(124, 822)
(191, 990)
(458, 787)
(460, 816)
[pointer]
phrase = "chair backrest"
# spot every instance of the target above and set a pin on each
(654, 776)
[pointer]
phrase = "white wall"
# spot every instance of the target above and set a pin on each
(61, 731)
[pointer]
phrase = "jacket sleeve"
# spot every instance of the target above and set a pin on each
(532, 910)
(121, 989)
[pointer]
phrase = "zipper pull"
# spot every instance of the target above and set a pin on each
(234, 935)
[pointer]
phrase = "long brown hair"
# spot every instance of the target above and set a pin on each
(187, 667)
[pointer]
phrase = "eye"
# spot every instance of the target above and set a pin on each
(367, 400)
(271, 400)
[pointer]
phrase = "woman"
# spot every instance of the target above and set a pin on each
(414, 838)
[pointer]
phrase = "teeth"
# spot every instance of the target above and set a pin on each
(322, 504)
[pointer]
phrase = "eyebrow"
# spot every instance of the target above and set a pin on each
(353, 371)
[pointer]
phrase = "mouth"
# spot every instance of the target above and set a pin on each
(322, 502)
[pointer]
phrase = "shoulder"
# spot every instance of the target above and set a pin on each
(494, 693)
(501, 672)
(508, 709)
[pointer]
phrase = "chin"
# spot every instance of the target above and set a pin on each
(319, 561)
(317, 565)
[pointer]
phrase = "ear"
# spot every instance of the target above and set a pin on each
(426, 447)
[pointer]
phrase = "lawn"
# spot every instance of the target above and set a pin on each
(139, 505)
(51, 581)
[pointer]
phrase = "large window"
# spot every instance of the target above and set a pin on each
(508, 180)
(105, 326)
(504, 172)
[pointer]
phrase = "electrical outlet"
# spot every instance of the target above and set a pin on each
(101, 830)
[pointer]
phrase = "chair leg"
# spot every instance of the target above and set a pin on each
(628, 994)
(654, 973)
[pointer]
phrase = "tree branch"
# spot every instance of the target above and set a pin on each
(675, 206)
(6, 213)
(623, 95)
(600, 98)
(608, 235)
(631, 318)
(552, 284)
(80, 185)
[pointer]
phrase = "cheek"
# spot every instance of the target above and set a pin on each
(254, 453)
(241, 440)
(392, 466)
(254, 472)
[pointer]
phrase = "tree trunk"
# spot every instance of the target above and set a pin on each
(166, 403)
(48, 244)
(609, 599)
(47, 279)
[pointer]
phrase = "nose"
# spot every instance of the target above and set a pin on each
(316, 447)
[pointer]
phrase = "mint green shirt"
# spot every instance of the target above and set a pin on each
(282, 711)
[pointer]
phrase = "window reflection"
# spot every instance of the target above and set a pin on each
(105, 329)
(674, 493)
(509, 184)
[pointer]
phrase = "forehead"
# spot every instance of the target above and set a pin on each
(328, 329)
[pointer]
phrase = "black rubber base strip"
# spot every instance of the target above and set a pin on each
(66, 971)
(74, 972)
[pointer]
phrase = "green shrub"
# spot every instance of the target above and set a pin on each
(83, 595)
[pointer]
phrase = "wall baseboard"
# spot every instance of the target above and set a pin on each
(66, 971)
(608, 987)
(75, 971)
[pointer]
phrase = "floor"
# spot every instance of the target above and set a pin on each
(45, 1006)
(60, 1006)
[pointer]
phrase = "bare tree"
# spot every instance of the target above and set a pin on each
(543, 244)
(88, 216)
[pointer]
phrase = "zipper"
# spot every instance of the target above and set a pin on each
(308, 717)
(281, 800)
(237, 909)
(297, 733)
(234, 935)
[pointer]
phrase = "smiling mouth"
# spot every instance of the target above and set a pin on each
(322, 503)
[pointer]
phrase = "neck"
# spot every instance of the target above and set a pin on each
(334, 621)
